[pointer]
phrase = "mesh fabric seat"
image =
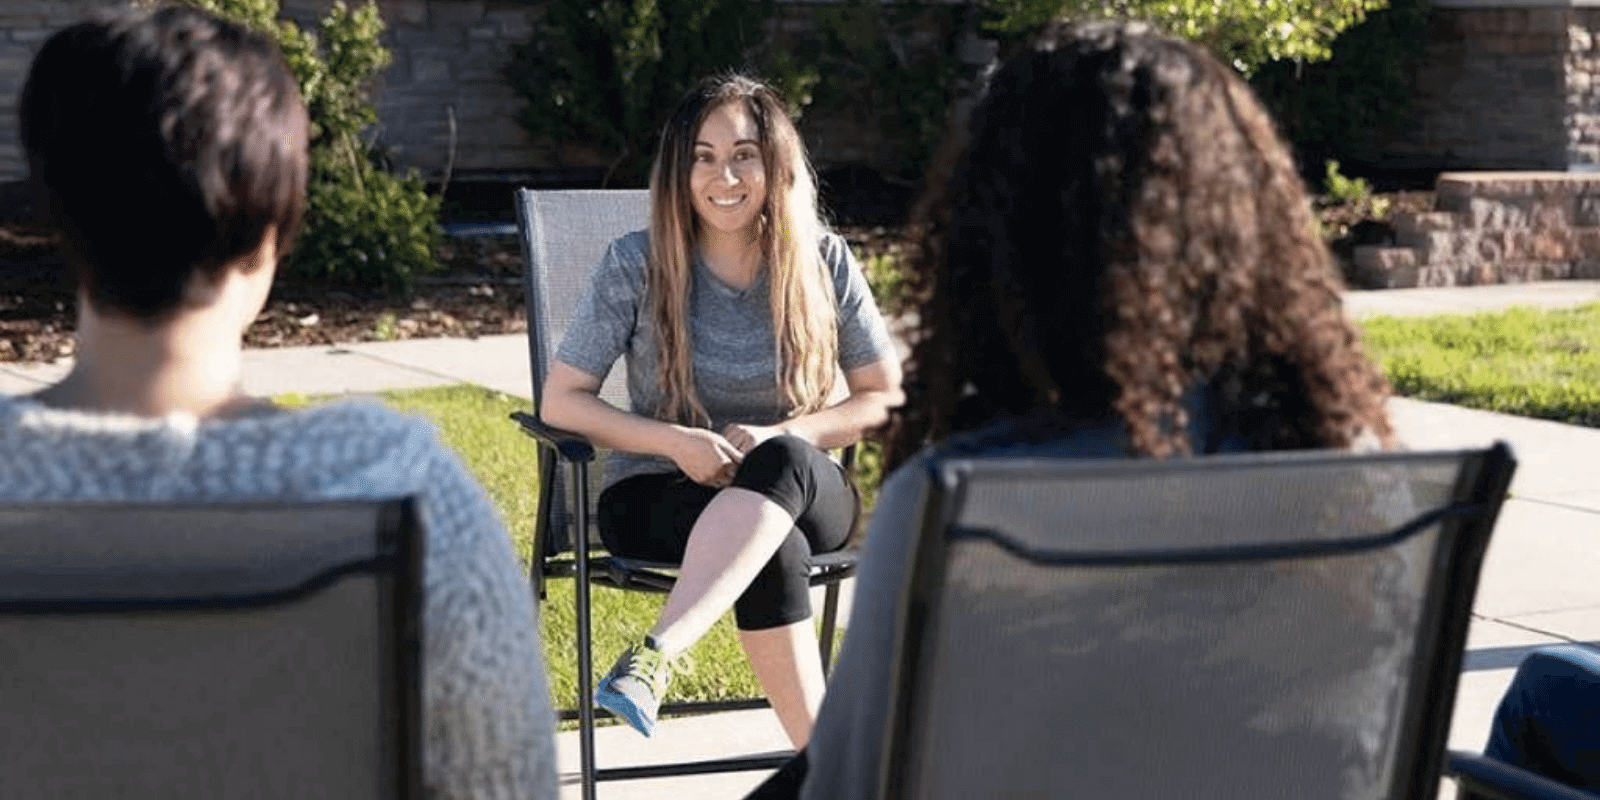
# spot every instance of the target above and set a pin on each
(227, 653)
(565, 234)
(1256, 626)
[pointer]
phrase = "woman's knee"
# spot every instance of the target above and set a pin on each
(782, 469)
(781, 453)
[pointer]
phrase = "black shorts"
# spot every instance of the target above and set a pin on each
(650, 517)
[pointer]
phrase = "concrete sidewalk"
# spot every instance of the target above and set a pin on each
(1541, 583)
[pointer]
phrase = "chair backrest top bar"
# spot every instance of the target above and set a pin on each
(127, 551)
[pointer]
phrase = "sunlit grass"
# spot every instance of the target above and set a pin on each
(1531, 362)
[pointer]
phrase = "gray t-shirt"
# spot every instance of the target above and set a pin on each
(735, 358)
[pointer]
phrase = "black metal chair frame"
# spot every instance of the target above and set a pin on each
(1425, 721)
(397, 558)
(1485, 777)
(549, 544)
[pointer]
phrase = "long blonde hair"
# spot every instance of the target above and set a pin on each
(804, 309)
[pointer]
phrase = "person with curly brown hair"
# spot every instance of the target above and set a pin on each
(1116, 260)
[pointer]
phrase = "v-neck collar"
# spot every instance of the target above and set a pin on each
(728, 289)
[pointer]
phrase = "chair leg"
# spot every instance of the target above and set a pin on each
(830, 612)
(580, 541)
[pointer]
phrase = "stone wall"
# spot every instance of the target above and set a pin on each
(447, 60)
(448, 57)
(1489, 92)
(1504, 84)
(1583, 88)
(1491, 227)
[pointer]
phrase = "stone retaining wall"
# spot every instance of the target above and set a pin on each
(1493, 228)
(1583, 87)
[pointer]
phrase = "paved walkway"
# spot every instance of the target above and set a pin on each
(1541, 583)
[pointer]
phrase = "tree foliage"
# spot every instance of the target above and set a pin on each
(1246, 33)
(866, 53)
(1338, 108)
(609, 73)
(364, 226)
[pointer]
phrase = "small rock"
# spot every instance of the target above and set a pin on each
(308, 320)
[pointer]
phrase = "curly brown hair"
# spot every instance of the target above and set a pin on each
(1117, 225)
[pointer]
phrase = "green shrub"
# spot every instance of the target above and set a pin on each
(364, 227)
(372, 229)
(1244, 33)
(866, 53)
(1338, 108)
(609, 73)
(1342, 189)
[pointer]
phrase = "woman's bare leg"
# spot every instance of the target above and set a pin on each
(735, 537)
(790, 668)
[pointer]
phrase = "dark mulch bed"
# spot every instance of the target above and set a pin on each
(478, 292)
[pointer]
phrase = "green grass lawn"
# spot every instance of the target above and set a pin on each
(1521, 361)
(474, 422)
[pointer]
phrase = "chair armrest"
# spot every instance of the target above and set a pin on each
(570, 446)
(1487, 777)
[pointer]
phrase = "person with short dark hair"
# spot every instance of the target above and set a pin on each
(169, 148)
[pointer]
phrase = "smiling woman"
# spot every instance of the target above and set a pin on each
(728, 184)
(736, 312)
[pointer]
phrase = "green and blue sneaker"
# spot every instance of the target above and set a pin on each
(635, 685)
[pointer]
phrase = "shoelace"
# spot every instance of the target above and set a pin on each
(654, 667)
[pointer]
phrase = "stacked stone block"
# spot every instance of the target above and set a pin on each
(1493, 228)
(1583, 88)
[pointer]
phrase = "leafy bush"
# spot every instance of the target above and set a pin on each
(609, 73)
(1245, 33)
(864, 52)
(364, 226)
(372, 230)
(1334, 108)
(1344, 189)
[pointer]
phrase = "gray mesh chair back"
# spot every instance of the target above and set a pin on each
(1258, 626)
(565, 233)
(226, 653)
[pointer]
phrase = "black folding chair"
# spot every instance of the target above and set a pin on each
(564, 235)
(226, 652)
(1243, 626)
